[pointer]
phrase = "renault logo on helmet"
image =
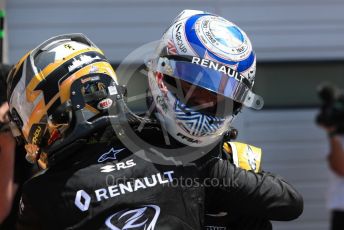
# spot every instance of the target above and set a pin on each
(218, 67)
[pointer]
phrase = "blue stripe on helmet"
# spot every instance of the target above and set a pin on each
(247, 63)
(191, 35)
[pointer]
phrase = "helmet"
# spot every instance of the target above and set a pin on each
(59, 92)
(200, 75)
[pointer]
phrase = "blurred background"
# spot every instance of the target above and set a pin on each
(299, 44)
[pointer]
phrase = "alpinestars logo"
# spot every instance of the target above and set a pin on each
(144, 217)
(110, 155)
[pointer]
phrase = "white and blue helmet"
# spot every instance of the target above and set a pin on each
(204, 53)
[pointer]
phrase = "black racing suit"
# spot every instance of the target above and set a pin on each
(104, 185)
(217, 216)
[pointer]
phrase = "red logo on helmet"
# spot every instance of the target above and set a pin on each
(104, 104)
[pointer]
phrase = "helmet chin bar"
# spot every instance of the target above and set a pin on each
(117, 114)
(81, 127)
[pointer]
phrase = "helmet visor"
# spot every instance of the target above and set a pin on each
(200, 99)
(213, 76)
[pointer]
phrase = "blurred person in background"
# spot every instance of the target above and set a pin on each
(7, 186)
(336, 189)
(331, 119)
(7, 145)
(14, 169)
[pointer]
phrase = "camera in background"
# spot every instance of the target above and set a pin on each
(332, 107)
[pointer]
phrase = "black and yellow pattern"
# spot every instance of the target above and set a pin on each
(244, 156)
(41, 82)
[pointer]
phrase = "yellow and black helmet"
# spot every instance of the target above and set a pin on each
(58, 92)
